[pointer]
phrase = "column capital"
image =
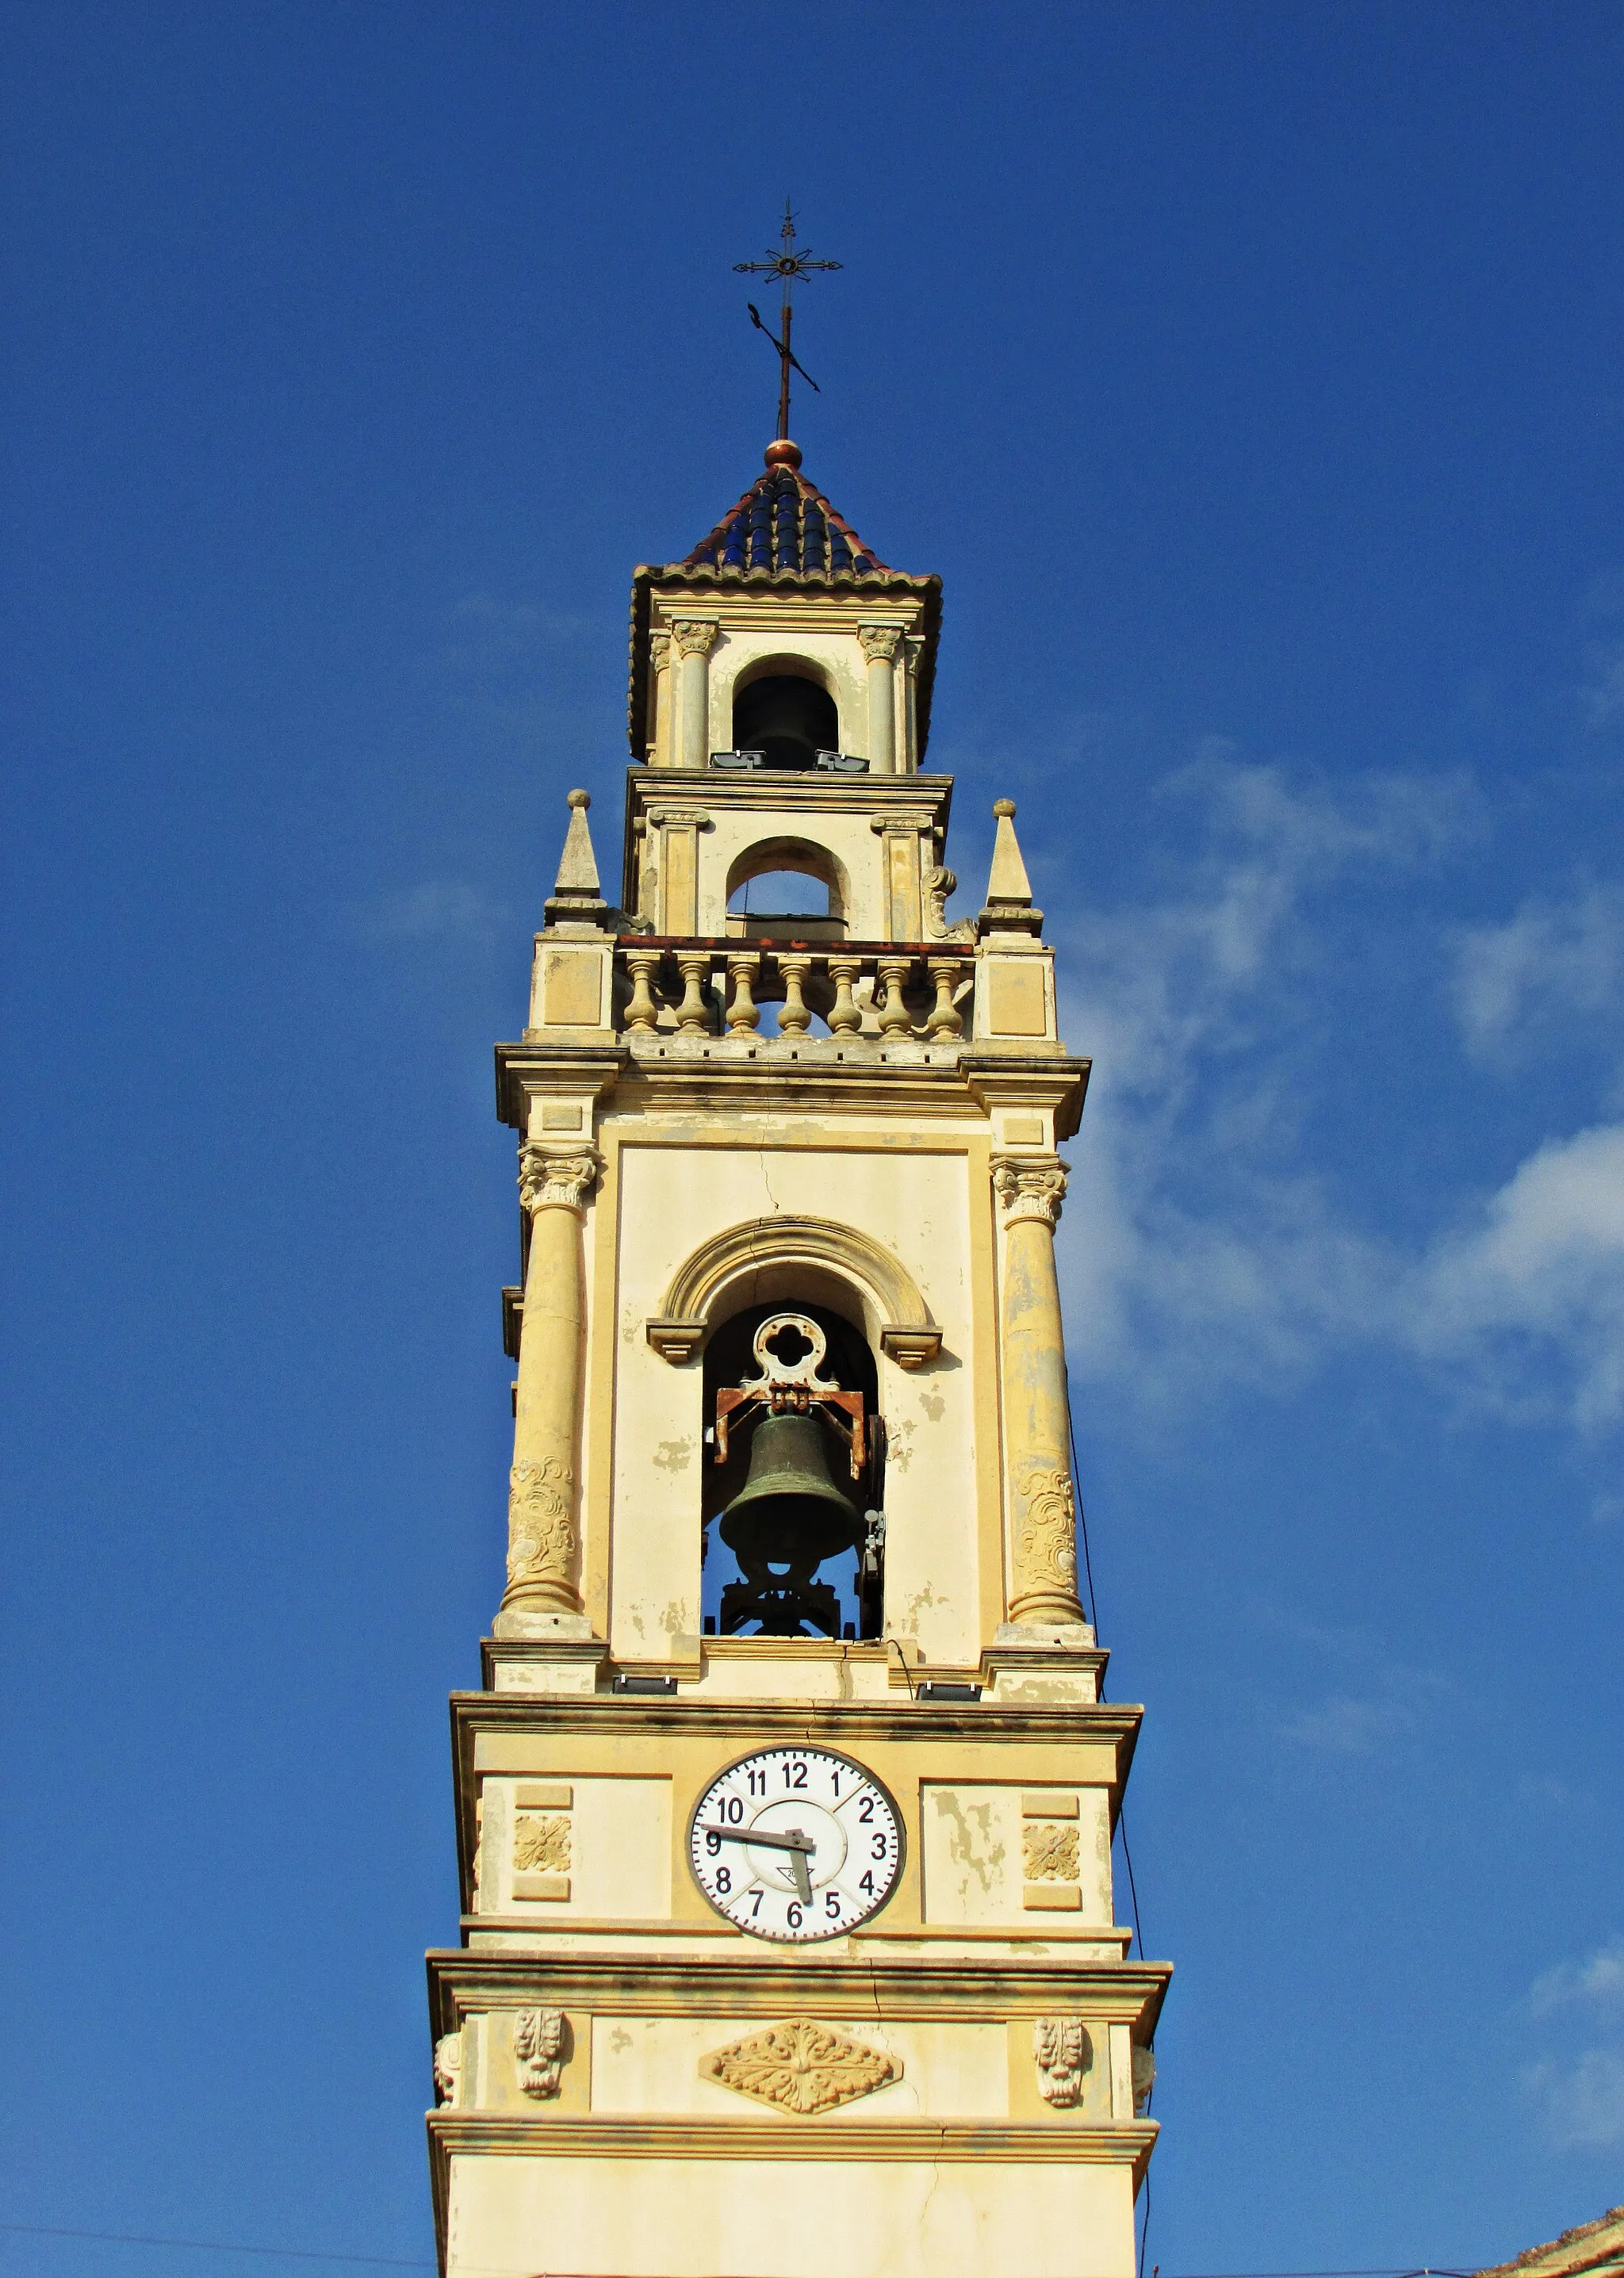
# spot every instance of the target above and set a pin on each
(1029, 1187)
(694, 636)
(659, 650)
(880, 643)
(557, 1180)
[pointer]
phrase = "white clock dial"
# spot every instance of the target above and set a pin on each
(796, 1844)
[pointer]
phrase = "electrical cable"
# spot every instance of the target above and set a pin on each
(1122, 1809)
(213, 2246)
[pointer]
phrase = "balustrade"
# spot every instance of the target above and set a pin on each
(879, 994)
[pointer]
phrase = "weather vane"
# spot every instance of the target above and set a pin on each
(790, 262)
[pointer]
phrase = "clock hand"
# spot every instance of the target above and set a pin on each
(803, 1880)
(803, 1844)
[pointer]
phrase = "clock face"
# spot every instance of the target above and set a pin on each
(796, 1844)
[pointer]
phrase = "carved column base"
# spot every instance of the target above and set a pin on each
(521, 1621)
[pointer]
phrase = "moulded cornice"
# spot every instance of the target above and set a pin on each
(765, 1983)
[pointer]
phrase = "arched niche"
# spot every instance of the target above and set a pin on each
(849, 1362)
(789, 1258)
(785, 707)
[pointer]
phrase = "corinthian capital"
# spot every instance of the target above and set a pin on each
(880, 643)
(1029, 1187)
(659, 650)
(557, 1181)
(694, 636)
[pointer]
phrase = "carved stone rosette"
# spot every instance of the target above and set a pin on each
(1063, 2053)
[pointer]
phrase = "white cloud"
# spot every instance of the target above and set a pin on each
(1551, 963)
(1544, 1268)
(1596, 1981)
(1579, 2091)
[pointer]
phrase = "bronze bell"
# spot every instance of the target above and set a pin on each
(789, 1512)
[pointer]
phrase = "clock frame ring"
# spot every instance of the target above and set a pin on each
(863, 1775)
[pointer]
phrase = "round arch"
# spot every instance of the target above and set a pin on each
(801, 855)
(780, 1257)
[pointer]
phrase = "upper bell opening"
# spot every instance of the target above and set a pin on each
(787, 719)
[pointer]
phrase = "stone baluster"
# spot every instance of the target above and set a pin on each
(543, 1488)
(1043, 1553)
(880, 644)
(642, 1014)
(693, 1013)
(945, 1020)
(845, 1018)
(795, 1015)
(744, 1013)
(695, 638)
(894, 1013)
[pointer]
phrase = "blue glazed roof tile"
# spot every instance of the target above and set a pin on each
(783, 524)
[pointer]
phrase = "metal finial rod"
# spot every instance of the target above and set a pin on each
(789, 263)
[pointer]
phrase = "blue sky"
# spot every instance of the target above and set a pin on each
(1254, 377)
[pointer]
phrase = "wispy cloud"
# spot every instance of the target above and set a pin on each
(1552, 964)
(1543, 1267)
(438, 910)
(1210, 1250)
(1578, 2091)
(1395, 1704)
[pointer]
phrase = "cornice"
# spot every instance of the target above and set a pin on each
(766, 1982)
(1118, 2144)
(720, 1075)
(777, 1722)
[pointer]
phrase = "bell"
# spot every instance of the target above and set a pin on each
(789, 1512)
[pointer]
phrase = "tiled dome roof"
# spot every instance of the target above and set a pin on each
(782, 522)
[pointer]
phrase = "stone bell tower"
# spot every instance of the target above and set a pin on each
(785, 1812)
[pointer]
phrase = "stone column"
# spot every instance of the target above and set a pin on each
(913, 648)
(544, 1539)
(1043, 1551)
(660, 751)
(695, 638)
(880, 644)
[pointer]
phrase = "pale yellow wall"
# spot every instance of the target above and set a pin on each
(757, 2218)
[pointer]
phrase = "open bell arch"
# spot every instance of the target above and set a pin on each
(781, 1256)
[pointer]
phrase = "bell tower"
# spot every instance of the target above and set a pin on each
(785, 1810)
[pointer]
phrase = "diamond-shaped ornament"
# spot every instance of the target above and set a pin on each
(801, 2068)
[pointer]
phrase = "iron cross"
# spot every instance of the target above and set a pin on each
(789, 262)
